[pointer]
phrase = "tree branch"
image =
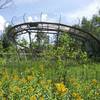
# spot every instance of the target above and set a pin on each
(5, 3)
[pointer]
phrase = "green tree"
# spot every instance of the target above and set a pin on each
(92, 26)
(5, 38)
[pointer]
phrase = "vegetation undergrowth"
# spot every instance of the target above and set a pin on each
(39, 80)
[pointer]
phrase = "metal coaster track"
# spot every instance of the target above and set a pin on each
(53, 28)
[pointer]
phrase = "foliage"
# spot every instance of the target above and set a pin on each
(37, 80)
(92, 25)
(67, 48)
(5, 38)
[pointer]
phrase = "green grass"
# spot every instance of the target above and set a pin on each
(73, 75)
(54, 70)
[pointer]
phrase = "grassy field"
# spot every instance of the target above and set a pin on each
(39, 80)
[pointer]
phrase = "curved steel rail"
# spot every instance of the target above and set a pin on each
(52, 28)
(48, 26)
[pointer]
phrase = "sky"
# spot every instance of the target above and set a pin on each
(66, 11)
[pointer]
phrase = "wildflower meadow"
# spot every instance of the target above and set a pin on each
(41, 81)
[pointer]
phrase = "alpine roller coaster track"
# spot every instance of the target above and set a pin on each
(92, 43)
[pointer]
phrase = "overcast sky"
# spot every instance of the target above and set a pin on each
(69, 10)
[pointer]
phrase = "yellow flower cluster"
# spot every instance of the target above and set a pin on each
(23, 80)
(61, 88)
(16, 77)
(30, 78)
(94, 81)
(16, 89)
(30, 89)
(1, 93)
(31, 85)
(77, 96)
(41, 98)
(33, 98)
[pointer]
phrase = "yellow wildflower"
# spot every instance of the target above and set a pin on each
(23, 80)
(41, 98)
(30, 89)
(46, 87)
(15, 77)
(72, 80)
(17, 89)
(6, 77)
(30, 78)
(0, 83)
(61, 88)
(77, 96)
(1, 94)
(23, 98)
(39, 94)
(74, 94)
(4, 98)
(94, 81)
(97, 94)
(42, 82)
(33, 98)
(76, 85)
